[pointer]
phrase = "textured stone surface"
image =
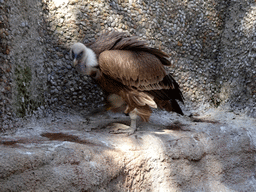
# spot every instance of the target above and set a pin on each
(237, 69)
(212, 49)
(211, 46)
(215, 153)
(6, 112)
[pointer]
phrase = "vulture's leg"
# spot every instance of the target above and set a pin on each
(133, 116)
(121, 128)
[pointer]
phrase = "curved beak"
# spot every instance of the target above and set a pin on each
(75, 62)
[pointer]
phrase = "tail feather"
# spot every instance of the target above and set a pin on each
(176, 107)
(144, 112)
(169, 105)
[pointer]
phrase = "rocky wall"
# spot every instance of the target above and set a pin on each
(202, 38)
(236, 72)
(5, 68)
(190, 32)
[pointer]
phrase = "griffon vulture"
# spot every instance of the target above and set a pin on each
(130, 73)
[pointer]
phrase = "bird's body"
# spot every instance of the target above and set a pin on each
(130, 73)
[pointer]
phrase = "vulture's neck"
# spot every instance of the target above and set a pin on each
(91, 64)
(91, 59)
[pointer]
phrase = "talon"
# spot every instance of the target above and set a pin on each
(118, 128)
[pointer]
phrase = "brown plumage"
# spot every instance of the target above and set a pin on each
(126, 67)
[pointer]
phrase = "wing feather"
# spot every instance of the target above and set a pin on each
(136, 69)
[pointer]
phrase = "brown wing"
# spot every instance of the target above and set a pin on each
(141, 70)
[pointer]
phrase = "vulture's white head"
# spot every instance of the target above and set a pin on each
(84, 59)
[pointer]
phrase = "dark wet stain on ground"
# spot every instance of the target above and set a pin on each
(203, 120)
(19, 140)
(13, 142)
(8, 142)
(66, 137)
(176, 126)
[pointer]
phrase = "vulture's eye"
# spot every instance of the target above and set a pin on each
(80, 55)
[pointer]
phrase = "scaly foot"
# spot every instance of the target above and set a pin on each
(118, 128)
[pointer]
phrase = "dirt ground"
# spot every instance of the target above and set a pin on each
(214, 151)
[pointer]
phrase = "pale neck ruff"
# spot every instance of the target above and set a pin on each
(91, 59)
